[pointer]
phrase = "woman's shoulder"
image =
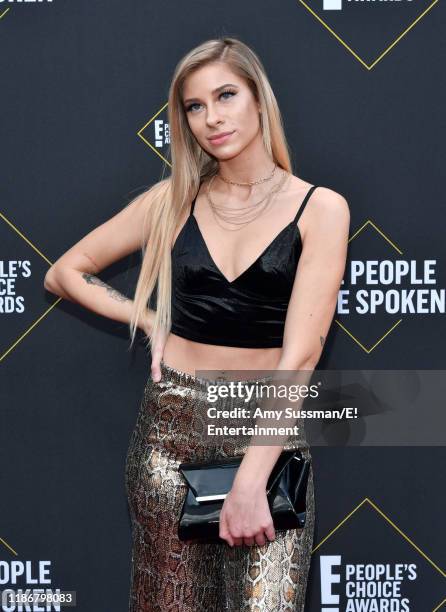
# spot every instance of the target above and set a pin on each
(324, 200)
(330, 205)
(326, 209)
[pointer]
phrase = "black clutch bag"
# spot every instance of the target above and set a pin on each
(209, 482)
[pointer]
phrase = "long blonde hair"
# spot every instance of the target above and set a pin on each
(166, 201)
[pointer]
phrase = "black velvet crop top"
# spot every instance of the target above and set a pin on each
(249, 311)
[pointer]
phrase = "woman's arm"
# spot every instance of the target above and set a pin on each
(309, 316)
(74, 275)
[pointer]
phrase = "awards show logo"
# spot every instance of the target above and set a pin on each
(364, 586)
(381, 287)
(22, 298)
(11, 272)
(28, 585)
(368, 564)
(156, 134)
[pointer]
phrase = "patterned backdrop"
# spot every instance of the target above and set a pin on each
(83, 131)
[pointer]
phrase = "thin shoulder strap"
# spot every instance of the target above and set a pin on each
(193, 201)
(192, 206)
(304, 203)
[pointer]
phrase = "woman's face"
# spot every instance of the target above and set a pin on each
(217, 101)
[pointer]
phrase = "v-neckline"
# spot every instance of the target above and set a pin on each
(211, 259)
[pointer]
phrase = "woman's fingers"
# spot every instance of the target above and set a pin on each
(157, 355)
(224, 531)
(270, 532)
(156, 370)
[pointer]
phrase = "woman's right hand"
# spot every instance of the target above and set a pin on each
(158, 344)
(157, 355)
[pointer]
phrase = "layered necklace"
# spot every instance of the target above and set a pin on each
(244, 215)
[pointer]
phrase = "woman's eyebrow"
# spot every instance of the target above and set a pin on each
(213, 91)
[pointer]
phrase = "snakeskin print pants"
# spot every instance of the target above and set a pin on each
(169, 575)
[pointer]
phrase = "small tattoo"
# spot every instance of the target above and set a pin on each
(113, 293)
(322, 339)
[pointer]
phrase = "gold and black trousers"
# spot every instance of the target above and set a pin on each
(168, 575)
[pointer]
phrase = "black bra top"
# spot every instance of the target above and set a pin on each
(249, 311)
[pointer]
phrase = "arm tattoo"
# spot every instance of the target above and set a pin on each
(113, 293)
(322, 339)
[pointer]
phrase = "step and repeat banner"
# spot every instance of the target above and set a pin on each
(84, 130)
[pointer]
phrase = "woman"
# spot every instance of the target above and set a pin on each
(240, 284)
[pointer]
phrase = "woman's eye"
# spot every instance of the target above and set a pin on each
(189, 108)
(223, 93)
(227, 92)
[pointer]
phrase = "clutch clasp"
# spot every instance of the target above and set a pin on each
(211, 497)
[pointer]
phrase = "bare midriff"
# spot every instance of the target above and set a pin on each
(189, 356)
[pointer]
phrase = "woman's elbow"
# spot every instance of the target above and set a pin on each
(50, 282)
(293, 360)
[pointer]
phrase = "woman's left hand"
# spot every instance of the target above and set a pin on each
(245, 517)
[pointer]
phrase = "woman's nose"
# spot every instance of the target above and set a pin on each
(212, 117)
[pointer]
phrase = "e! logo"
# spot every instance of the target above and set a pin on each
(332, 5)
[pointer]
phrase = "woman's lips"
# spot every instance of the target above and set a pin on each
(221, 139)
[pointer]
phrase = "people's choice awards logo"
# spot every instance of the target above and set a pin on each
(156, 134)
(382, 287)
(368, 564)
(363, 583)
(22, 301)
(28, 585)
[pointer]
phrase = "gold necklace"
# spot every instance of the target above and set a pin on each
(248, 208)
(250, 183)
(228, 219)
(234, 212)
